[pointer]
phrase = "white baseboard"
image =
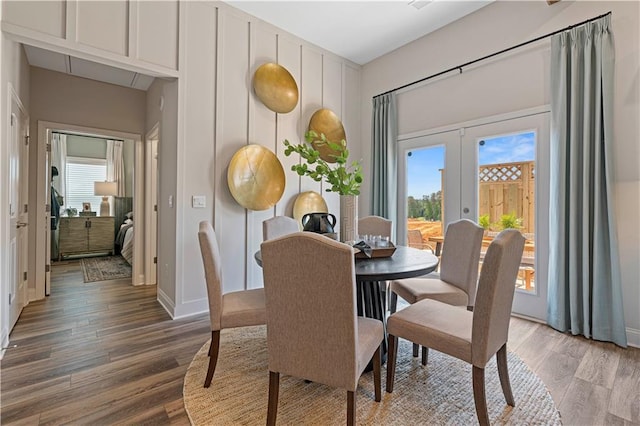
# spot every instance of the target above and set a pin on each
(182, 310)
(192, 308)
(633, 334)
(633, 337)
(166, 302)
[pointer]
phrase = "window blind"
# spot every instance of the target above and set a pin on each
(81, 173)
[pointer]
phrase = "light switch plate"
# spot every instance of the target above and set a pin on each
(198, 201)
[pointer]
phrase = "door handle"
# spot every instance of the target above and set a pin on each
(21, 225)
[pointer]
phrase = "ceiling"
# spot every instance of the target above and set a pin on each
(359, 30)
(81, 68)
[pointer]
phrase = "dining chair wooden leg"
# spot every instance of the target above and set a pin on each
(479, 396)
(393, 301)
(503, 373)
(391, 361)
(214, 349)
(425, 355)
(272, 407)
(377, 360)
(351, 408)
(416, 350)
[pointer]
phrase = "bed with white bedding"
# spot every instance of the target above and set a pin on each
(124, 240)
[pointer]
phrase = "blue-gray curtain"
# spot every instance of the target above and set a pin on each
(384, 134)
(585, 294)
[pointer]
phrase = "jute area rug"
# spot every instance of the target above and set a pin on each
(439, 394)
(105, 268)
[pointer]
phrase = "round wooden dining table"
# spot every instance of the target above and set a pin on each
(372, 273)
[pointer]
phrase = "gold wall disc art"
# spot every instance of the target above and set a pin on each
(275, 87)
(308, 202)
(255, 177)
(326, 121)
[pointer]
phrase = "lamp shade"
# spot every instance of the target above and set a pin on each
(105, 188)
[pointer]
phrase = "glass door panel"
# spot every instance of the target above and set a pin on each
(505, 185)
(429, 191)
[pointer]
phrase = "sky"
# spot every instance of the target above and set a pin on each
(423, 175)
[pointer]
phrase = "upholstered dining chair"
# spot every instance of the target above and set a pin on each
(456, 283)
(374, 225)
(414, 239)
(230, 310)
(277, 226)
(473, 337)
(313, 331)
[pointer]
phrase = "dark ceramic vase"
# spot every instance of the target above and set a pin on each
(321, 223)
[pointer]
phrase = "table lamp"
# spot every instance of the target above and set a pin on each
(106, 189)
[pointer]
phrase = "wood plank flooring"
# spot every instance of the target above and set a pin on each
(107, 353)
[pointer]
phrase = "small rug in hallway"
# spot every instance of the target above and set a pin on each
(105, 268)
(439, 394)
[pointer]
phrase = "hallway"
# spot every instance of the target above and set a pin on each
(98, 353)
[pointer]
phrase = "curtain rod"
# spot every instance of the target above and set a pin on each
(459, 67)
(83, 135)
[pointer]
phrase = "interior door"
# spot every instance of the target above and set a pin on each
(151, 203)
(505, 183)
(49, 232)
(18, 196)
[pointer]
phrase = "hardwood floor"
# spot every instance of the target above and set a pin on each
(107, 353)
(98, 353)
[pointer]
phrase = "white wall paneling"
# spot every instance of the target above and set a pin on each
(262, 131)
(140, 36)
(310, 100)
(46, 17)
(195, 155)
(232, 125)
(155, 27)
(332, 99)
(103, 25)
(351, 115)
(289, 126)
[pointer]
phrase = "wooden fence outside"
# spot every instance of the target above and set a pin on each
(508, 188)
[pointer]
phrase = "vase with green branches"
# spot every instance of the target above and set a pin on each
(343, 177)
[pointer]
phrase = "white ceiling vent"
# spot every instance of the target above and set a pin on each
(82, 68)
(419, 4)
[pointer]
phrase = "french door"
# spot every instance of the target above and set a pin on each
(494, 172)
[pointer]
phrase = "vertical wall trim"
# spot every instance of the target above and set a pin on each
(133, 28)
(71, 30)
(277, 126)
(216, 47)
(219, 93)
(179, 289)
(251, 123)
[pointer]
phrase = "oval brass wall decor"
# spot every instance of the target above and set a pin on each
(326, 121)
(275, 87)
(308, 202)
(255, 177)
